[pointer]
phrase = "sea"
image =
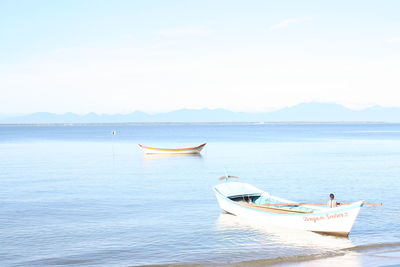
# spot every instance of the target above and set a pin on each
(86, 195)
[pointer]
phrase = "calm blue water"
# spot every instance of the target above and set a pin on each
(79, 196)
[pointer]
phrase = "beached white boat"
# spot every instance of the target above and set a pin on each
(247, 201)
(188, 150)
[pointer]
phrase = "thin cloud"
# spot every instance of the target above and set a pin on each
(184, 31)
(165, 44)
(395, 40)
(288, 22)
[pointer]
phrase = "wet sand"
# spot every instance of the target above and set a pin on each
(386, 257)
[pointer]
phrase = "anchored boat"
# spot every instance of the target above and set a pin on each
(188, 150)
(245, 200)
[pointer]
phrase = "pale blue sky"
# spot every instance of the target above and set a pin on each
(121, 56)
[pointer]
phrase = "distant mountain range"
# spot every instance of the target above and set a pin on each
(306, 112)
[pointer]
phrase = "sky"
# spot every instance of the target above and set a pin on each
(157, 56)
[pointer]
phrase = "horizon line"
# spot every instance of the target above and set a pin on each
(194, 123)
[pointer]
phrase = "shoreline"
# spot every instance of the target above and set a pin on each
(383, 254)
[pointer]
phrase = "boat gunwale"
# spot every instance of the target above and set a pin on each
(275, 209)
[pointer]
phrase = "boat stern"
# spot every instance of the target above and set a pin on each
(337, 221)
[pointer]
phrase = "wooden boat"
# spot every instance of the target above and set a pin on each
(188, 150)
(247, 201)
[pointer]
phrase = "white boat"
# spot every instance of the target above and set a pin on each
(247, 201)
(188, 150)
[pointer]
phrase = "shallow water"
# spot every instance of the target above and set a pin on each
(79, 196)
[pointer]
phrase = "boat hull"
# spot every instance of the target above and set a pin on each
(336, 221)
(189, 150)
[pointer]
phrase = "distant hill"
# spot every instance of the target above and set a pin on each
(306, 112)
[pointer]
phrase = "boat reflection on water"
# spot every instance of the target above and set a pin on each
(171, 155)
(271, 245)
(272, 235)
